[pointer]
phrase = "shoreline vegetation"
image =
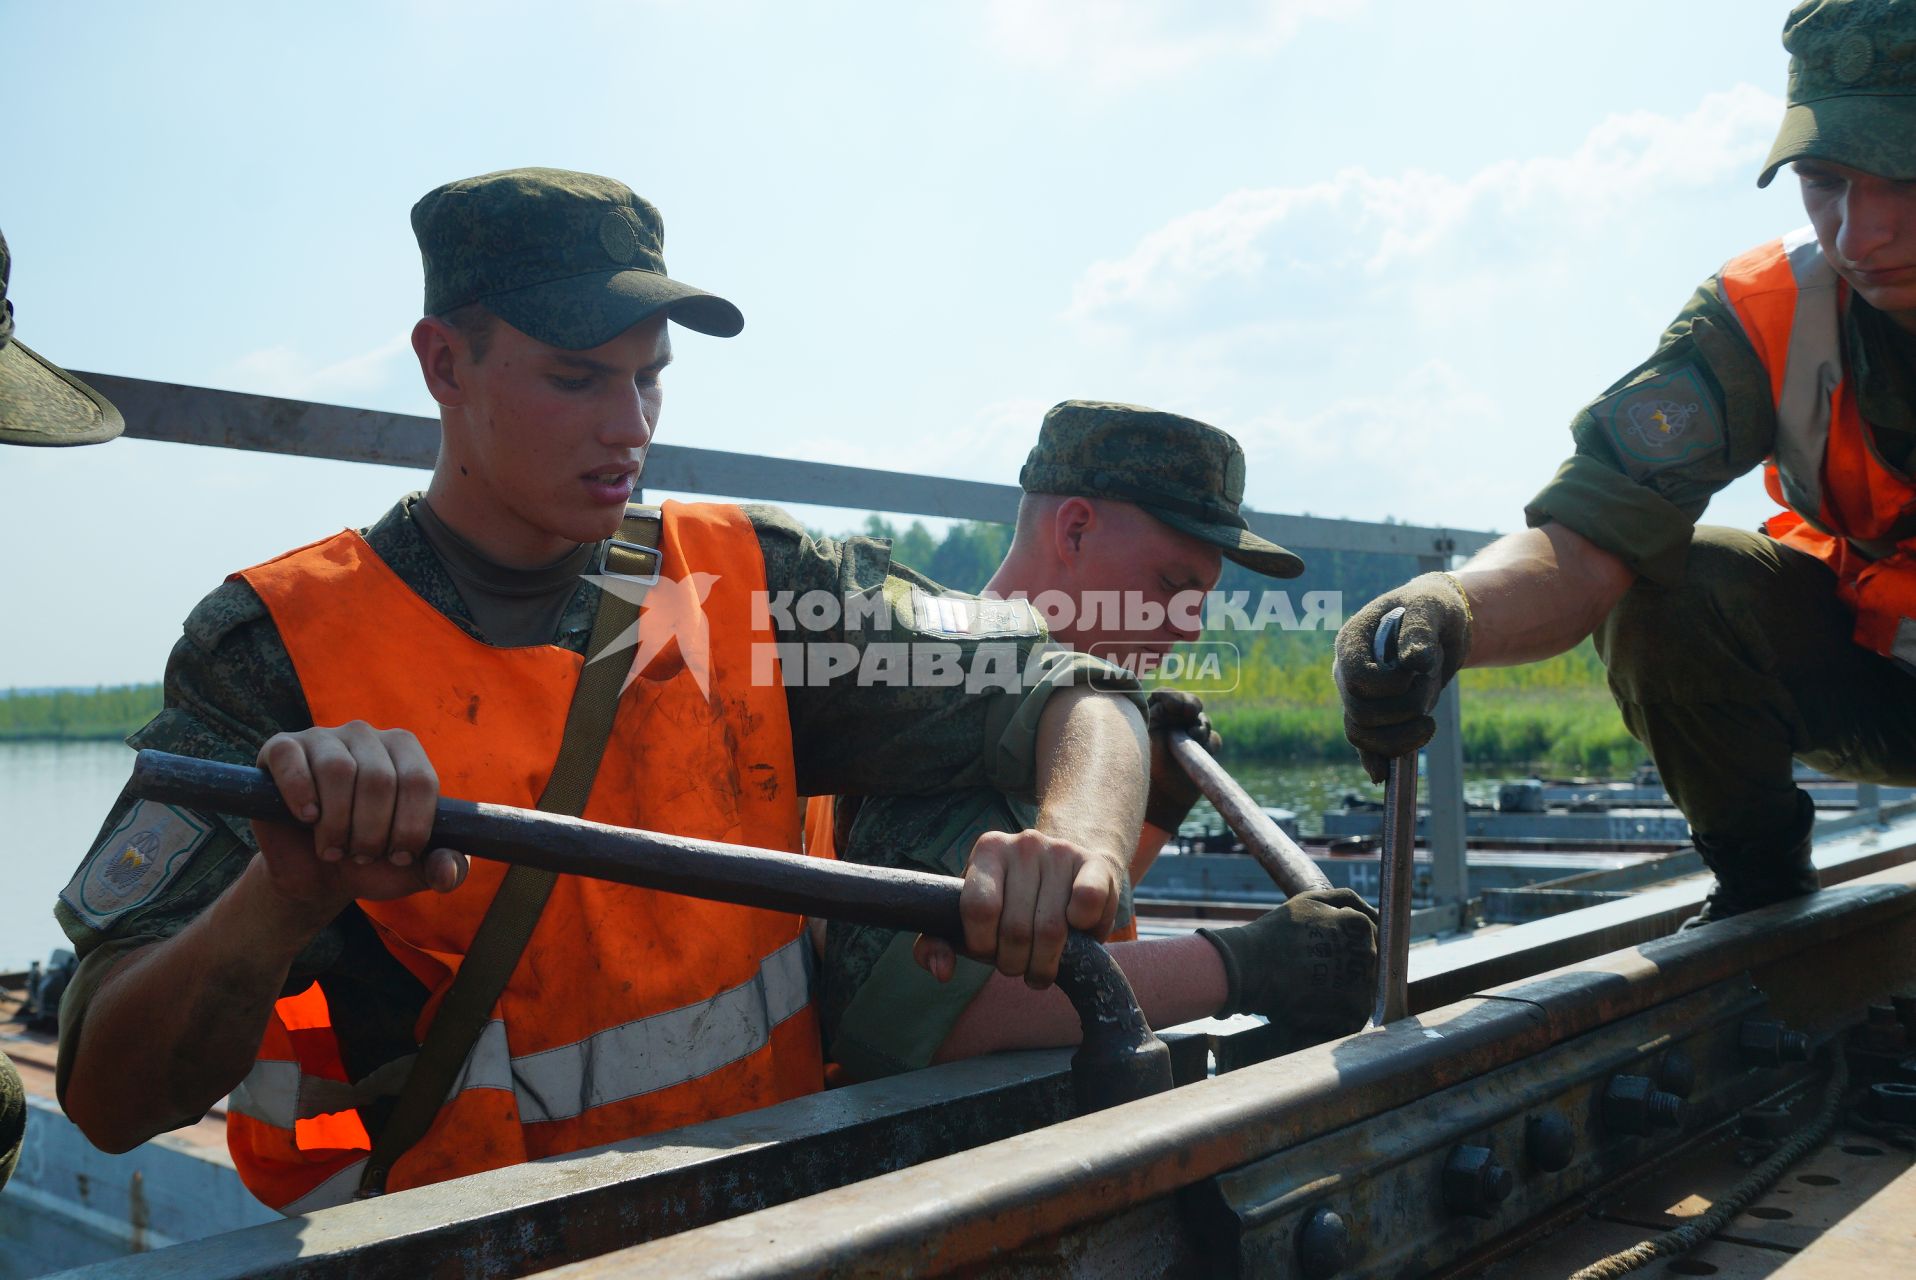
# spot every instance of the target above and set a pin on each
(1274, 702)
(105, 713)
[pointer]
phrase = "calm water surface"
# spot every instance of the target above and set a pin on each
(54, 796)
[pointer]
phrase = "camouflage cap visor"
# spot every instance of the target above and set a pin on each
(43, 404)
(1875, 133)
(584, 311)
(1240, 545)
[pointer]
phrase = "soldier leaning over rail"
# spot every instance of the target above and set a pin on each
(299, 967)
(40, 404)
(1125, 504)
(1732, 652)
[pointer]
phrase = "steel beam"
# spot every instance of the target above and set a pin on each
(272, 424)
(1008, 1205)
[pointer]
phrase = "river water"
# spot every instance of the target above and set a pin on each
(53, 796)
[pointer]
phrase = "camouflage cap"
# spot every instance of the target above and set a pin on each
(1852, 98)
(571, 258)
(1186, 473)
(41, 403)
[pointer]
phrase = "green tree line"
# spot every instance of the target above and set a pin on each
(1556, 714)
(103, 712)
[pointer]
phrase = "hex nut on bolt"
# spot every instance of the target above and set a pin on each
(1474, 1183)
(1549, 1141)
(1634, 1105)
(1765, 1042)
(1323, 1245)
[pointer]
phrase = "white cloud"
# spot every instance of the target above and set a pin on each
(287, 371)
(1358, 221)
(1116, 44)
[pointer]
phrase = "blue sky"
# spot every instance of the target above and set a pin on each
(1392, 246)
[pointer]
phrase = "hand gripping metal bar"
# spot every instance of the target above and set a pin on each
(1400, 848)
(1118, 1060)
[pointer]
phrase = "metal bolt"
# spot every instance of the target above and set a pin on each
(1895, 1103)
(1768, 1043)
(1474, 1183)
(1634, 1105)
(1676, 1073)
(1905, 1007)
(1549, 1141)
(1323, 1245)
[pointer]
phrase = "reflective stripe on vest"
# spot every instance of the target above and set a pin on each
(1845, 505)
(643, 1055)
(631, 1011)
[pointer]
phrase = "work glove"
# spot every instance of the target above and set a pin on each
(1310, 966)
(1387, 713)
(1172, 791)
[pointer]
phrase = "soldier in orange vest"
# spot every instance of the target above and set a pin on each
(300, 969)
(1731, 653)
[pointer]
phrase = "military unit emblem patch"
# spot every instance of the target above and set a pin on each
(133, 861)
(1662, 420)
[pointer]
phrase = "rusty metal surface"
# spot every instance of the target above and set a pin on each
(967, 1210)
(1394, 1181)
(1876, 1238)
(1289, 867)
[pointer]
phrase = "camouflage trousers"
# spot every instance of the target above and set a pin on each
(1742, 666)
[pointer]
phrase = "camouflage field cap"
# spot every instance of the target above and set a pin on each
(1852, 98)
(571, 258)
(41, 403)
(1186, 473)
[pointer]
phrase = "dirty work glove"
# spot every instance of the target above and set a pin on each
(1310, 966)
(1387, 713)
(1172, 791)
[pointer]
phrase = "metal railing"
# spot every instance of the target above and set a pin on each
(270, 424)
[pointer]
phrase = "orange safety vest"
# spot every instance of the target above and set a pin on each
(1845, 504)
(631, 1011)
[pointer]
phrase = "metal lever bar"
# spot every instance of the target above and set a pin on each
(1118, 1060)
(1276, 852)
(1399, 853)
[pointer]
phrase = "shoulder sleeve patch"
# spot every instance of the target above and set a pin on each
(135, 860)
(962, 617)
(1662, 420)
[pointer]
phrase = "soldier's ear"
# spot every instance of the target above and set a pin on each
(437, 345)
(1074, 518)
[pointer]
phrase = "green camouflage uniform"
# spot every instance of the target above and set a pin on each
(881, 1012)
(230, 685)
(1732, 654)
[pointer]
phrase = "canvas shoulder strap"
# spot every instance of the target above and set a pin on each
(508, 923)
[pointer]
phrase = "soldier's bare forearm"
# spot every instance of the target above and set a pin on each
(1093, 771)
(1537, 593)
(1176, 980)
(190, 1010)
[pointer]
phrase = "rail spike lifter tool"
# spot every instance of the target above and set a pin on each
(1118, 1060)
(1399, 851)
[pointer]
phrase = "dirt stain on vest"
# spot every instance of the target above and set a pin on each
(472, 709)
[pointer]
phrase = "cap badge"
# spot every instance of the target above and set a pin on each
(618, 235)
(1854, 56)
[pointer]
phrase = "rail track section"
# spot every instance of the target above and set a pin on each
(1539, 1065)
